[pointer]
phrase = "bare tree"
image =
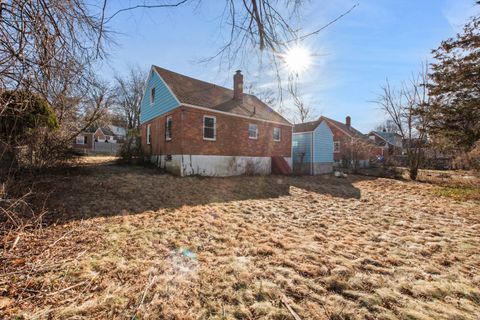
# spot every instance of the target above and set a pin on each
(387, 126)
(48, 50)
(405, 108)
(249, 29)
(40, 36)
(129, 92)
(302, 111)
(355, 150)
(98, 102)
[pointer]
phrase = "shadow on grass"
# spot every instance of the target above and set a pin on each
(85, 191)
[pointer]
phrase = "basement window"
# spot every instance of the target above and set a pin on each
(336, 146)
(209, 128)
(152, 95)
(168, 128)
(252, 131)
(149, 134)
(276, 134)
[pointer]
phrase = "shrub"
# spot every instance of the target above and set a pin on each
(132, 149)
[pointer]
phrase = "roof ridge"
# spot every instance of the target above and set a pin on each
(195, 79)
(210, 83)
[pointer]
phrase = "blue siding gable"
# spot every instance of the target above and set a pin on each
(322, 144)
(301, 143)
(164, 99)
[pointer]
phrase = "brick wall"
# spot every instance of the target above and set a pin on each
(89, 143)
(231, 136)
(158, 144)
(344, 139)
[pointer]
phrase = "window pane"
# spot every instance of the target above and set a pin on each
(252, 130)
(209, 127)
(276, 133)
(209, 122)
(152, 95)
(168, 128)
(209, 133)
(148, 134)
(336, 146)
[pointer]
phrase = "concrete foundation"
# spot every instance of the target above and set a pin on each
(218, 166)
(313, 169)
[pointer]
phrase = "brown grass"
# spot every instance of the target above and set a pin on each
(127, 242)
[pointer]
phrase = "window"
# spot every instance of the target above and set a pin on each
(276, 134)
(149, 134)
(252, 131)
(209, 128)
(81, 140)
(152, 95)
(168, 128)
(336, 146)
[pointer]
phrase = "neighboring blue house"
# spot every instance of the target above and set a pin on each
(312, 145)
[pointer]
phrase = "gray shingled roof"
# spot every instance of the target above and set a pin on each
(306, 126)
(342, 126)
(387, 136)
(208, 95)
(310, 126)
(106, 131)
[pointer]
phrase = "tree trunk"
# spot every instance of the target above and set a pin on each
(413, 173)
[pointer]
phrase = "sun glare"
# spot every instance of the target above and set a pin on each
(297, 59)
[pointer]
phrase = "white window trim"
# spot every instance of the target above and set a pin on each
(82, 140)
(149, 133)
(256, 131)
(166, 127)
(279, 134)
(214, 128)
(152, 97)
(336, 142)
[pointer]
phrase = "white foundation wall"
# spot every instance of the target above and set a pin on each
(174, 165)
(223, 166)
(289, 161)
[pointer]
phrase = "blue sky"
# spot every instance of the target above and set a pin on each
(351, 59)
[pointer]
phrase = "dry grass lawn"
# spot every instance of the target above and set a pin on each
(129, 243)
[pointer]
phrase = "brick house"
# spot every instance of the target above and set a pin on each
(86, 140)
(189, 126)
(348, 142)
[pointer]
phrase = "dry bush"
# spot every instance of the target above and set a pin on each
(469, 161)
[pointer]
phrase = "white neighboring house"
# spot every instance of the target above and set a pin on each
(391, 143)
(120, 132)
(92, 138)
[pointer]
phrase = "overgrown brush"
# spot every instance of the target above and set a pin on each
(131, 150)
(16, 213)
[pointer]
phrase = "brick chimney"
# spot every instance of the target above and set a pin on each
(238, 85)
(348, 121)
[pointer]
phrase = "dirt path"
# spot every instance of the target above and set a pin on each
(128, 241)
